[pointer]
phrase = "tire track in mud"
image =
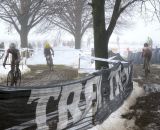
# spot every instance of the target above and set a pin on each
(43, 77)
(153, 77)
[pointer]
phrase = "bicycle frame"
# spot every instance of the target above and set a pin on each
(14, 77)
(49, 61)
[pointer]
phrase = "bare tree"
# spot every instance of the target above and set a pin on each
(101, 33)
(123, 21)
(23, 15)
(75, 18)
(155, 11)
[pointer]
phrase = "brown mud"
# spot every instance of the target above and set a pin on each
(146, 111)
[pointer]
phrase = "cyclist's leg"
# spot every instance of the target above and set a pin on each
(10, 78)
(148, 61)
(146, 69)
(12, 73)
(12, 66)
(144, 63)
(17, 75)
(51, 63)
(47, 59)
(17, 70)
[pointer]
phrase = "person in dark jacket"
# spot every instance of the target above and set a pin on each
(48, 52)
(48, 49)
(15, 57)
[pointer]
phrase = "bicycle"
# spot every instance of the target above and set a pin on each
(49, 61)
(14, 77)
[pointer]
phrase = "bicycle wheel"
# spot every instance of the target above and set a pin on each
(17, 79)
(10, 79)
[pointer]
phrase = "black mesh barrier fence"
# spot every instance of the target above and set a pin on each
(75, 105)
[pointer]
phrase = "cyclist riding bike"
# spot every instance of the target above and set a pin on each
(146, 54)
(15, 57)
(48, 52)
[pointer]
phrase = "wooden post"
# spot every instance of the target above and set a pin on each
(79, 62)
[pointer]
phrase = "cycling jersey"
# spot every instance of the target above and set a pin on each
(15, 58)
(15, 53)
(47, 51)
(147, 52)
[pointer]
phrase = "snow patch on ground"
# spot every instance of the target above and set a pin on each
(114, 121)
(62, 56)
(4, 72)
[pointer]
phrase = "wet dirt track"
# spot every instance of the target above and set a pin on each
(146, 111)
(153, 77)
(41, 76)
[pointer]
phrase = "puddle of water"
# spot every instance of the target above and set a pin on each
(151, 88)
(29, 76)
(157, 66)
(39, 71)
(139, 77)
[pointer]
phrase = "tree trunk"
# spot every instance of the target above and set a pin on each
(24, 37)
(100, 39)
(78, 41)
(78, 27)
(24, 11)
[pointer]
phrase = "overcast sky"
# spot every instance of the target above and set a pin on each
(137, 33)
(141, 31)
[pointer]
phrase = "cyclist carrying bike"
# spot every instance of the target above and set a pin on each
(48, 51)
(15, 57)
(146, 54)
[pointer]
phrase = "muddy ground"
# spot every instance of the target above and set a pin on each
(147, 109)
(153, 77)
(41, 76)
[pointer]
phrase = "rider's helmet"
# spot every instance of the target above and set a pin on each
(145, 44)
(47, 45)
(12, 46)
